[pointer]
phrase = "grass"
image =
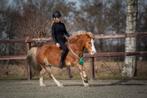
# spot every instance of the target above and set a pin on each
(103, 70)
(12, 77)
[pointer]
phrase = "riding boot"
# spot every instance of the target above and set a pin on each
(62, 60)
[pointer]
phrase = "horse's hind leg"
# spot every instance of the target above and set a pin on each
(48, 70)
(42, 72)
(52, 76)
(83, 75)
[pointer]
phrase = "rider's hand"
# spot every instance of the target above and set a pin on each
(57, 44)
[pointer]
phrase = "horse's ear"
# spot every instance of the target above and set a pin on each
(90, 34)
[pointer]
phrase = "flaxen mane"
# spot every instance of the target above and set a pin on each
(75, 35)
(82, 32)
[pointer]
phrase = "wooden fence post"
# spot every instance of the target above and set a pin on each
(69, 72)
(29, 73)
(92, 68)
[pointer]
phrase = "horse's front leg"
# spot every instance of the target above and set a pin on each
(83, 75)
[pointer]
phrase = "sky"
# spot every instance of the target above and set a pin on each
(77, 2)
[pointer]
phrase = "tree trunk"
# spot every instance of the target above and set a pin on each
(130, 42)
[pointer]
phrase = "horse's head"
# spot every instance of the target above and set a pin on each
(85, 40)
(89, 42)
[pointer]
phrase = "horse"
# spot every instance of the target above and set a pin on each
(48, 55)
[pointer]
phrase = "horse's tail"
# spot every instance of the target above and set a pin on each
(31, 58)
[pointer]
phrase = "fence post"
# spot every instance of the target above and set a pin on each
(29, 73)
(92, 68)
(69, 72)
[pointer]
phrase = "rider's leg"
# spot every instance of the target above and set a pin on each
(63, 55)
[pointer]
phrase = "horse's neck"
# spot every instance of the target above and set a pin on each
(77, 48)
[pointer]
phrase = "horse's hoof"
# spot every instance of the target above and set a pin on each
(60, 85)
(42, 85)
(86, 85)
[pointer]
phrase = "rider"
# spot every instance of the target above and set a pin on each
(59, 35)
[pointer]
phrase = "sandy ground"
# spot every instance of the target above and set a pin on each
(74, 89)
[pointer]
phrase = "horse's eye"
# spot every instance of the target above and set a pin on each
(89, 42)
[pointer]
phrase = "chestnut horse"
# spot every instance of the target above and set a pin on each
(48, 55)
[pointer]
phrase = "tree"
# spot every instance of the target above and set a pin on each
(117, 15)
(130, 42)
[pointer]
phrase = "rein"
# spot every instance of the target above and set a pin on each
(81, 61)
(71, 48)
(73, 51)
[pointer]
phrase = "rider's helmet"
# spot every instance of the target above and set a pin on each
(56, 14)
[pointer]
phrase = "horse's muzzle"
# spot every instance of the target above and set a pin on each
(92, 52)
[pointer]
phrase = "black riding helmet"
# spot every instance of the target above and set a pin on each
(56, 14)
